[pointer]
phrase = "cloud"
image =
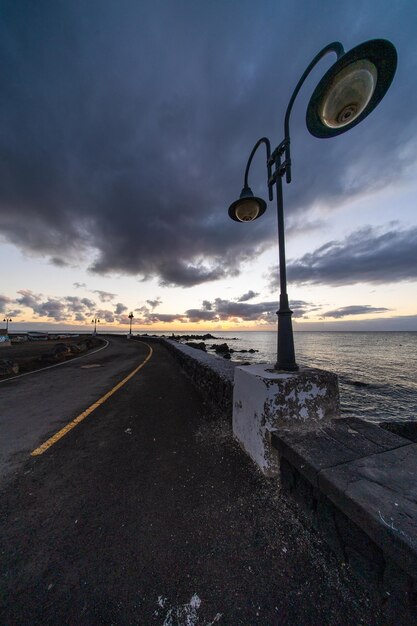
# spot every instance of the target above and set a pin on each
(104, 296)
(105, 315)
(248, 296)
(29, 299)
(230, 310)
(395, 323)
(353, 309)
(129, 165)
(368, 255)
(120, 308)
(81, 309)
(58, 309)
(79, 285)
(73, 309)
(90, 304)
(58, 262)
(67, 308)
(4, 301)
(154, 303)
(201, 315)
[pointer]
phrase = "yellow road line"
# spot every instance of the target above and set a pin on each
(61, 433)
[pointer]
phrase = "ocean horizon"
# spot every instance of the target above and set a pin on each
(376, 369)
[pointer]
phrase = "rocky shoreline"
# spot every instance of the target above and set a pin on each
(198, 342)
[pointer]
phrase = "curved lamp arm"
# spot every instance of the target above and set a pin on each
(336, 47)
(266, 141)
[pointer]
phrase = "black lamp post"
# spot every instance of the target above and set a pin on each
(95, 321)
(7, 320)
(130, 316)
(346, 94)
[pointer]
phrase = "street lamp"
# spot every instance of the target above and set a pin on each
(346, 94)
(95, 321)
(7, 320)
(130, 316)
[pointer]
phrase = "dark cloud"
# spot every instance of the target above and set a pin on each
(353, 309)
(28, 298)
(156, 318)
(154, 303)
(79, 285)
(248, 296)
(105, 315)
(4, 302)
(76, 304)
(201, 315)
(90, 304)
(300, 308)
(74, 309)
(120, 308)
(104, 296)
(58, 262)
(230, 310)
(125, 132)
(54, 309)
(370, 255)
(67, 308)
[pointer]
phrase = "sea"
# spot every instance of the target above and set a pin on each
(377, 370)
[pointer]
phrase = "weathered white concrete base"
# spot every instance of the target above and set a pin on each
(265, 400)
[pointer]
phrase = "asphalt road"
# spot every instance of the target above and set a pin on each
(147, 513)
(35, 405)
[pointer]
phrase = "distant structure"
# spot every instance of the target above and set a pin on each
(35, 335)
(4, 338)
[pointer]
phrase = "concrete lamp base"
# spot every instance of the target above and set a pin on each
(265, 400)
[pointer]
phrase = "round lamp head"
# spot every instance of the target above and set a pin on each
(351, 88)
(247, 208)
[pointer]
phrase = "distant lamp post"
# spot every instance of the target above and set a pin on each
(346, 94)
(7, 320)
(130, 316)
(95, 321)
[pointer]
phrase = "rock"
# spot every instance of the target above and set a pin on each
(61, 349)
(197, 346)
(221, 348)
(192, 337)
(226, 355)
(252, 351)
(8, 367)
(48, 358)
(77, 348)
(82, 347)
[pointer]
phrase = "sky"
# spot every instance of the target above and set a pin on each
(125, 128)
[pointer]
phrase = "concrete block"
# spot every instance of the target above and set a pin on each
(379, 494)
(265, 400)
(345, 439)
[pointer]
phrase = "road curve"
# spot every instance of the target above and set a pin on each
(32, 408)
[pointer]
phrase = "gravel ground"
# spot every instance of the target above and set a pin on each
(149, 513)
